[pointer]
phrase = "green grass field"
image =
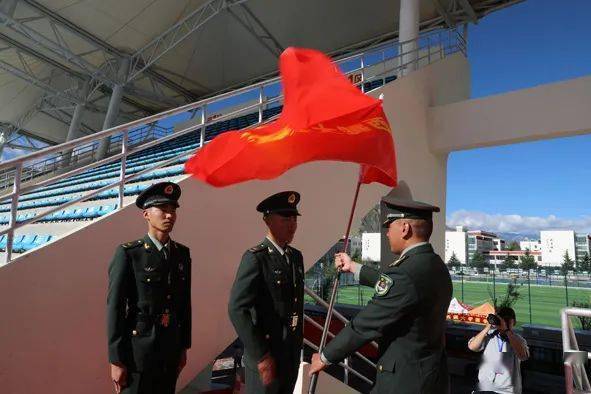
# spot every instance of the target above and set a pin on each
(546, 301)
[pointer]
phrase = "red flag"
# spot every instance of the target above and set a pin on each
(324, 117)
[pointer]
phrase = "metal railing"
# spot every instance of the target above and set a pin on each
(430, 47)
(81, 155)
(575, 360)
(347, 368)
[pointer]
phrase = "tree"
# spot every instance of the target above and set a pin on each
(478, 262)
(509, 262)
(585, 321)
(527, 261)
(584, 264)
(513, 246)
(371, 222)
(453, 261)
(567, 265)
(511, 296)
(327, 279)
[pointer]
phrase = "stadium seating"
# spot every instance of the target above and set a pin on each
(23, 243)
(63, 191)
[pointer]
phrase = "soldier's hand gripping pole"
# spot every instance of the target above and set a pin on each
(335, 286)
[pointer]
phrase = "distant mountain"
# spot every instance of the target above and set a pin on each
(508, 236)
(517, 237)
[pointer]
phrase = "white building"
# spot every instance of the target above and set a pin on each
(500, 244)
(554, 246)
(582, 245)
(464, 244)
(498, 257)
(370, 247)
(481, 242)
(456, 242)
(532, 246)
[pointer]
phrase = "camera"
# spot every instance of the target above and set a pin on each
(493, 320)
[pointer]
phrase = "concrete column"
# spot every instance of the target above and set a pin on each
(74, 129)
(8, 6)
(110, 118)
(3, 140)
(408, 29)
(113, 110)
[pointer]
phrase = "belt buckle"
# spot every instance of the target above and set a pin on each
(165, 320)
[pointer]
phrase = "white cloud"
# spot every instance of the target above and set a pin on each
(476, 220)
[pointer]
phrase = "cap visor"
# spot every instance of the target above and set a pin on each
(160, 203)
(287, 213)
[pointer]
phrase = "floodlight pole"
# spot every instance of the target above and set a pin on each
(335, 286)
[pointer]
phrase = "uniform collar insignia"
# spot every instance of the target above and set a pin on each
(146, 246)
(270, 249)
(399, 261)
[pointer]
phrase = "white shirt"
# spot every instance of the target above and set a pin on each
(500, 370)
(279, 248)
(159, 245)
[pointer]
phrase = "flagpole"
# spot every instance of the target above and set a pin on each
(314, 379)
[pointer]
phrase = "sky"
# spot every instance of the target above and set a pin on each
(530, 186)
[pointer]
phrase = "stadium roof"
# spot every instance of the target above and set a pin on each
(176, 51)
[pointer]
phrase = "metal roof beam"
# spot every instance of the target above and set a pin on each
(17, 46)
(467, 7)
(443, 12)
(161, 45)
(246, 21)
(57, 45)
(105, 46)
(32, 135)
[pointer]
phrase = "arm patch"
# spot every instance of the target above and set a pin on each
(383, 285)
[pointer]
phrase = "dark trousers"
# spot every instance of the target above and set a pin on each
(151, 382)
(284, 382)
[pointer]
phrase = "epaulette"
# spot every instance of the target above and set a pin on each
(258, 248)
(399, 261)
(133, 244)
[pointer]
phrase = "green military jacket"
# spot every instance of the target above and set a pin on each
(406, 316)
(148, 305)
(266, 303)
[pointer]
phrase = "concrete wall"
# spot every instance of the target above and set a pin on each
(548, 111)
(407, 102)
(53, 337)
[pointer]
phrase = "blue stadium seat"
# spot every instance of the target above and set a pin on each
(105, 209)
(21, 246)
(92, 212)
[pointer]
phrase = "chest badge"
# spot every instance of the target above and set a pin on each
(383, 285)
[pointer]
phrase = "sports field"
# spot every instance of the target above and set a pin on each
(546, 301)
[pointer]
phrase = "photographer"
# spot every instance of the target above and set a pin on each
(503, 352)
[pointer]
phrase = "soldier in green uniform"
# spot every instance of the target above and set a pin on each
(406, 315)
(266, 301)
(149, 301)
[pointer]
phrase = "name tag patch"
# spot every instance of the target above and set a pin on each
(383, 285)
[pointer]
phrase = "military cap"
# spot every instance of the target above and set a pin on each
(159, 194)
(283, 203)
(407, 209)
